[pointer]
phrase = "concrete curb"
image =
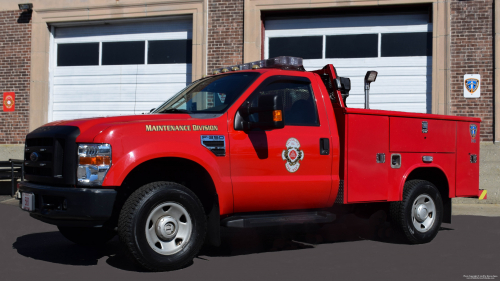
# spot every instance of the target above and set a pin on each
(487, 210)
(12, 201)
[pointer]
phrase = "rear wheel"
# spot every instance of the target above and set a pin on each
(163, 226)
(420, 214)
(87, 236)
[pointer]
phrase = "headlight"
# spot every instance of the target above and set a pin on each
(94, 161)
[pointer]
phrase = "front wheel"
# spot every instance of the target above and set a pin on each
(162, 225)
(420, 214)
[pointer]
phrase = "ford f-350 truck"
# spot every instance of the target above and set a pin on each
(257, 144)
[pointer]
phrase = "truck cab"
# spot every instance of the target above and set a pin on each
(254, 145)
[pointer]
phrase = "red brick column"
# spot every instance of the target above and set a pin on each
(225, 33)
(15, 62)
(472, 53)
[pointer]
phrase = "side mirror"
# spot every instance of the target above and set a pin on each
(344, 85)
(269, 110)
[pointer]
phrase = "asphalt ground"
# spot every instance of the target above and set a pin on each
(352, 248)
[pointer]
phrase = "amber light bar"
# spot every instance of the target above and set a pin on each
(283, 62)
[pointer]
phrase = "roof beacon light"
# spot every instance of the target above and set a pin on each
(245, 66)
(283, 62)
(258, 64)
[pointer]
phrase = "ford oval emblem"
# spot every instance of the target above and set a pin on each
(34, 156)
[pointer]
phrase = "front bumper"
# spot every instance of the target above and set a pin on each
(85, 207)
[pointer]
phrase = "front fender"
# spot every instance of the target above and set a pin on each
(217, 167)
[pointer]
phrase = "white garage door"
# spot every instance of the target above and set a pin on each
(118, 68)
(399, 47)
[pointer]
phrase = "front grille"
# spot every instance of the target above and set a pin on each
(50, 155)
(39, 142)
(37, 171)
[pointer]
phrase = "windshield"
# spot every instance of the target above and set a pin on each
(209, 95)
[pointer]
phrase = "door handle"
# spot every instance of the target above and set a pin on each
(324, 146)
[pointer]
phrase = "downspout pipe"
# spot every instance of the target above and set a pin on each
(496, 87)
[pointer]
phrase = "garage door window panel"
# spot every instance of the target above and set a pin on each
(352, 46)
(169, 51)
(121, 86)
(402, 53)
(78, 54)
(306, 47)
(120, 53)
(406, 44)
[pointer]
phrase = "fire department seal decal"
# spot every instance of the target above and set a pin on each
(9, 102)
(292, 154)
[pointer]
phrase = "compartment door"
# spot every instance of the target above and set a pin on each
(367, 180)
(467, 176)
(408, 135)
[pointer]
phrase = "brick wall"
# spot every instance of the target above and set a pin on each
(472, 53)
(225, 33)
(15, 58)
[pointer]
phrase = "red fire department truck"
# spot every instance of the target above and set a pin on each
(258, 144)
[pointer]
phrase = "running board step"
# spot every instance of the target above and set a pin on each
(247, 221)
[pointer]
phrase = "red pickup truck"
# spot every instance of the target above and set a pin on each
(259, 144)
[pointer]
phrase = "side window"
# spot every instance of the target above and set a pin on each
(298, 99)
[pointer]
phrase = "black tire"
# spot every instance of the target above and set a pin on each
(87, 236)
(406, 218)
(134, 216)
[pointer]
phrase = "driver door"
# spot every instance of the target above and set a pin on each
(282, 169)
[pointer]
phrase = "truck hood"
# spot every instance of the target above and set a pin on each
(91, 127)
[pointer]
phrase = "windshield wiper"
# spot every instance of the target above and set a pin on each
(174, 110)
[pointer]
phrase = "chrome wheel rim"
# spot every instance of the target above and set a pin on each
(168, 228)
(423, 213)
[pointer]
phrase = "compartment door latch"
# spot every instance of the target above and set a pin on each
(380, 157)
(473, 158)
(425, 127)
(395, 161)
